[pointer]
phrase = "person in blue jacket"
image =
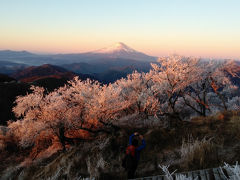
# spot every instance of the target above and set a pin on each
(134, 151)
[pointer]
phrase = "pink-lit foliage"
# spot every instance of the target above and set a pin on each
(212, 90)
(178, 85)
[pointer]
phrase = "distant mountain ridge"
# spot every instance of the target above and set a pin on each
(10, 88)
(105, 64)
(7, 67)
(114, 74)
(10, 53)
(34, 73)
(99, 63)
(118, 50)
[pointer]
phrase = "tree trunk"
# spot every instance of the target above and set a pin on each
(204, 101)
(62, 137)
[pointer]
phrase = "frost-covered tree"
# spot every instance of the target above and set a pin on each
(211, 90)
(137, 91)
(63, 109)
(29, 111)
(234, 103)
(80, 105)
(175, 85)
(170, 79)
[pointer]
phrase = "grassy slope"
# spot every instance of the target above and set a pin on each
(103, 157)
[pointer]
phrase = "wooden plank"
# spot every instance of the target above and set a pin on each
(216, 175)
(184, 174)
(221, 174)
(165, 178)
(203, 175)
(162, 177)
(154, 178)
(174, 175)
(195, 174)
(190, 175)
(159, 177)
(148, 178)
(225, 173)
(229, 173)
(209, 174)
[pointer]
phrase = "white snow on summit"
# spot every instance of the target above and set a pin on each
(115, 48)
(121, 50)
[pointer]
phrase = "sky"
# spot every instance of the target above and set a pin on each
(205, 28)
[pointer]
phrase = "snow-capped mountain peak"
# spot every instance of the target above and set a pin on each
(117, 47)
(121, 51)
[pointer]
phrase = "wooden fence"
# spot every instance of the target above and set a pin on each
(206, 174)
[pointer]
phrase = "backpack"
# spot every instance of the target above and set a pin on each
(129, 161)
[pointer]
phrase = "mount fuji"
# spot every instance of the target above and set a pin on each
(121, 50)
(116, 48)
(117, 59)
(116, 51)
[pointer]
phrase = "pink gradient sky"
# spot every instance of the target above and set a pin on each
(206, 29)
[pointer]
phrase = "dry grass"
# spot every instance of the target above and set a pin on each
(234, 126)
(196, 153)
(102, 157)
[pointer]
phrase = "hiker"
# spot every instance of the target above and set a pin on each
(133, 154)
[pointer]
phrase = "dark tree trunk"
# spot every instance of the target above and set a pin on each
(62, 137)
(204, 100)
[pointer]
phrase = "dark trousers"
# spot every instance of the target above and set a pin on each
(131, 171)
